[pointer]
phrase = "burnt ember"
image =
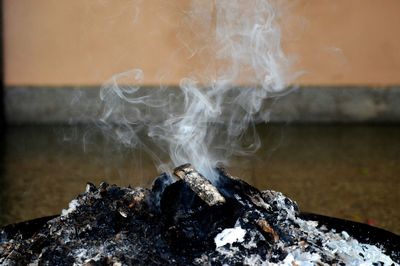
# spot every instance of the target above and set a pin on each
(185, 220)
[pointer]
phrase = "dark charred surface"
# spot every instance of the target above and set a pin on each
(172, 223)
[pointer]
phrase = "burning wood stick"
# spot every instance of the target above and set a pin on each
(200, 185)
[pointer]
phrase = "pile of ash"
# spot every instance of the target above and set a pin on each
(186, 220)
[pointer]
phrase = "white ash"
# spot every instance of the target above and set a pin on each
(335, 245)
(229, 236)
(71, 207)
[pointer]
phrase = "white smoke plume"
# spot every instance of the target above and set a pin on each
(209, 118)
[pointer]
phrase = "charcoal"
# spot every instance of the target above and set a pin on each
(184, 220)
(191, 221)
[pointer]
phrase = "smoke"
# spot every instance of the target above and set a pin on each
(209, 118)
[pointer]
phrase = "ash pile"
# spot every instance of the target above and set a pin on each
(185, 220)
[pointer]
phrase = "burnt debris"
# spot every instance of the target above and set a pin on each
(184, 220)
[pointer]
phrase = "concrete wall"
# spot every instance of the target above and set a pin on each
(69, 42)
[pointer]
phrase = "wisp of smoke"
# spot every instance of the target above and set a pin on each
(206, 120)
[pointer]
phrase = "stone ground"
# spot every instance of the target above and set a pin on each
(346, 171)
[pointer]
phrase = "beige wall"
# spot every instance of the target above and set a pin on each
(71, 42)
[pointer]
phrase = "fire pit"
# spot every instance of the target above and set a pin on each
(187, 220)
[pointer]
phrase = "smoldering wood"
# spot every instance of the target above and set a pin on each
(200, 185)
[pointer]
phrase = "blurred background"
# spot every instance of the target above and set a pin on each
(333, 144)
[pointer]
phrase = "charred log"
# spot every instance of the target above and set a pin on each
(200, 185)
